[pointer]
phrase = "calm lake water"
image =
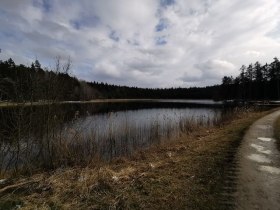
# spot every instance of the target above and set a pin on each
(106, 130)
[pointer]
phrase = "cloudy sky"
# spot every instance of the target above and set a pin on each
(145, 43)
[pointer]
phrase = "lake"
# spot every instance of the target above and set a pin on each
(78, 132)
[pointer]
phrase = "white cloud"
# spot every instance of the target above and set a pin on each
(122, 42)
(253, 53)
(216, 69)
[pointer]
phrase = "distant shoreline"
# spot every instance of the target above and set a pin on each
(193, 102)
(38, 103)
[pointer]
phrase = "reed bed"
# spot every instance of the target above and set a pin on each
(42, 138)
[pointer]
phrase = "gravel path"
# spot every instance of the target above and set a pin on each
(258, 179)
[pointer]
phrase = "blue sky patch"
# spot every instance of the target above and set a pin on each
(161, 40)
(162, 25)
(91, 21)
(75, 24)
(114, 36)
(45, 5)
(165, 3)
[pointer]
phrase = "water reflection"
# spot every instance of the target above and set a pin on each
(120, 133)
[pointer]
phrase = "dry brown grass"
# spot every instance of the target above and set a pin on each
(183, 174)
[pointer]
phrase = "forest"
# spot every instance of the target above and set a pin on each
(22, 83)
(255, 82)
(33, 83)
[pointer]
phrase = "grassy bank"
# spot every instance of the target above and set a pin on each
(277, 132)
(187, 173)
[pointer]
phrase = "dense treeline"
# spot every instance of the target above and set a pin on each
(114, 91)
(32, 83)
(22, 83)
(255, 82)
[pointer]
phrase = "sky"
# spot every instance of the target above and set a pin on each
(144, 43)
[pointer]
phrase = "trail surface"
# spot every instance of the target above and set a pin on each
(258, 180)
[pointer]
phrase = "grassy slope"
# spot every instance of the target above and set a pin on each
(187, 173)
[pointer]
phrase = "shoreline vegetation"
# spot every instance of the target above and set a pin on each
(42, 102)
(5, 104)
(188, 172)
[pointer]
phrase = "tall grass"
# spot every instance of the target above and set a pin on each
(28, 134)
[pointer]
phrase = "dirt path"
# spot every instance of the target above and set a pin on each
(258, 179)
